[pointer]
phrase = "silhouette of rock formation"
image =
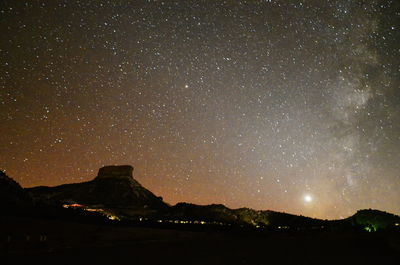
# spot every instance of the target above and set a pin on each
(113, 188)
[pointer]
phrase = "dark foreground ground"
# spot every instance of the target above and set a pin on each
(35, 241)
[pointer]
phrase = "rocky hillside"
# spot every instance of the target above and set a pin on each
(12, 195)
(113, 188)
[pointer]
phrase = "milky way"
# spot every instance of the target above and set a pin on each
(284, 105)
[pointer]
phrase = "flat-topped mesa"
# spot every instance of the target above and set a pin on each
(124, 171)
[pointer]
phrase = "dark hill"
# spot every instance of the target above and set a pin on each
(218, 213)
(209, 213)
(374, 220)
(12, 195)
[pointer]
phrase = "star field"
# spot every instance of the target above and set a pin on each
(284, 105)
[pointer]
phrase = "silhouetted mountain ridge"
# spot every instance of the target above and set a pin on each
(115, 193)
(221, 213)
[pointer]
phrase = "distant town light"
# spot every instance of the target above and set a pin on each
(368, 229)
(113, 217)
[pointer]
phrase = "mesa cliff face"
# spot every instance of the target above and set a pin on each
(124, 171)
(113, 188)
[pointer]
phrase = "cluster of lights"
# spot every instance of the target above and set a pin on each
(75, 205)
(97, 210)
(185, 222)
(283, 227)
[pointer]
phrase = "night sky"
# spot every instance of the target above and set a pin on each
(284, 105)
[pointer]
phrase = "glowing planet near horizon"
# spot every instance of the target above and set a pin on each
(308, 198)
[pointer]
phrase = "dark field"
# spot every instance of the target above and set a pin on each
(76, 243)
